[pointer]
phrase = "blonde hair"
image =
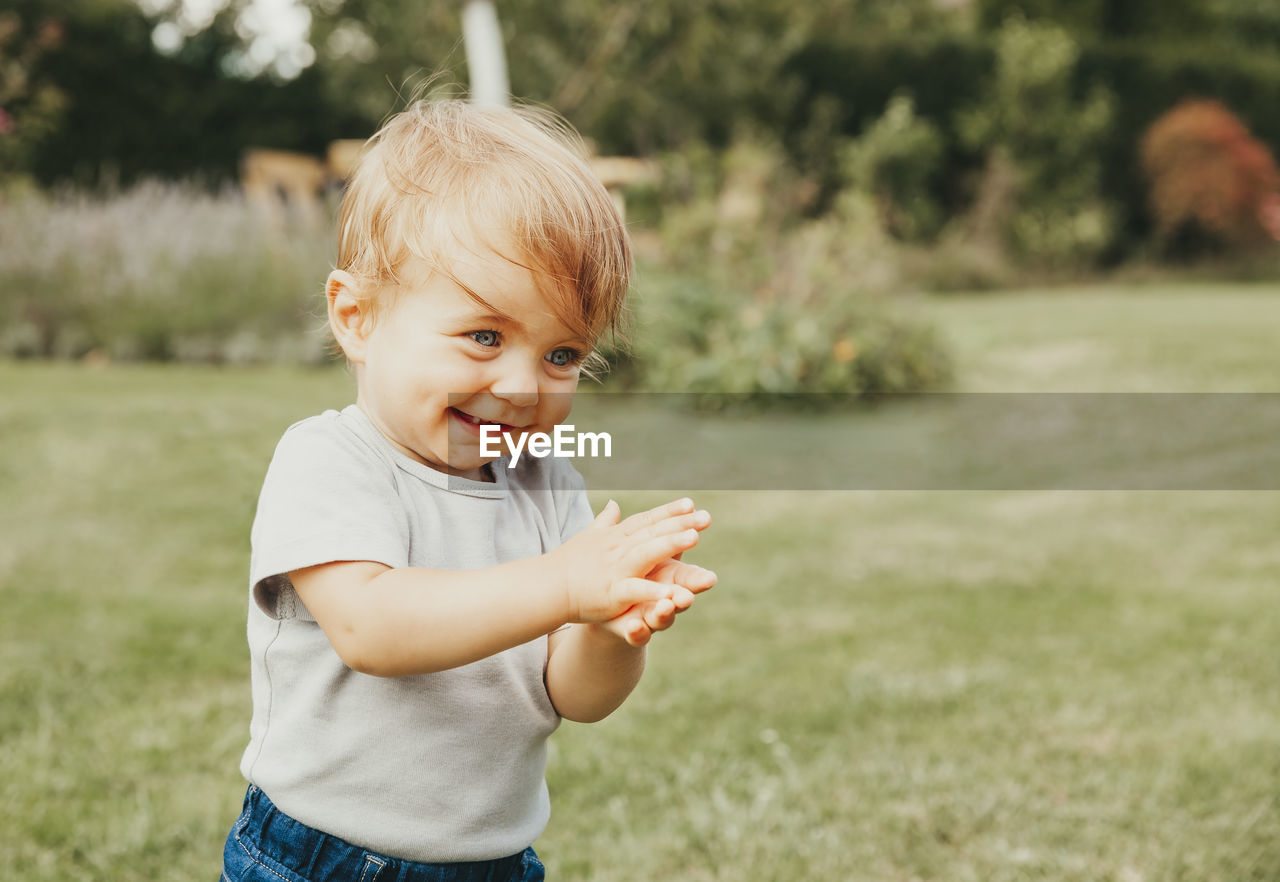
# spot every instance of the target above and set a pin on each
(444, 173)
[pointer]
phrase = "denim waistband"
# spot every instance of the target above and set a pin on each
(317, 855)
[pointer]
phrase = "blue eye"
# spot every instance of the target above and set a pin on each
(564, 357)
(485, 338)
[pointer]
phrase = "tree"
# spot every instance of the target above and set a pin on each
(1104, 18)
(1031, 118)
(1206, 169)
(30, 105)
(634, 75)
(128, 111)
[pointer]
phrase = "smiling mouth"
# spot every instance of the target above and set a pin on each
(474, 423)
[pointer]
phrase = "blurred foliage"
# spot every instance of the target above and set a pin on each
(157, 272)
(126, 111)
(1251, 22)
(1207, 171)
(1104, 18)
(750, 298)
(30, 105)
(1056, 102)
(723, 343)
(1150, 79)
(637, 76)
(744, 297)
(1031, 116)
(838, 89)
(1255, 23)
(895, 159)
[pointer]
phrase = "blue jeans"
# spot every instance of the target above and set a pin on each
(266, 845)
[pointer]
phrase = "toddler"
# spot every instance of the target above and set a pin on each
(423, 616)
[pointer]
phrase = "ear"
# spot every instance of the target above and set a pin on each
(348, 314)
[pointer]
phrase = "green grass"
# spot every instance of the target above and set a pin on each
(884, 686)
(1146, 338)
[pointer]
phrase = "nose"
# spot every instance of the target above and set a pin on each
(516, 382)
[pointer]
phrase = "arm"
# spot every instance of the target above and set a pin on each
(590, 672)
(410, 620)
(591, 669)
(392, 622)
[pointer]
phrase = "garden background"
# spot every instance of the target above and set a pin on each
(850, 197)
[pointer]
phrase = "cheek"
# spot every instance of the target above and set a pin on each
(557, 407)
(438, 374)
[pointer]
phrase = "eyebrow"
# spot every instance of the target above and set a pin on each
(498, 317)
(494, 313)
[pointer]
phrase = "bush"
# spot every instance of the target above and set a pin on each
(894, 159)
(126, 112)
(1031, 115)
(1102, 18)
(157, 272)
(724, 343)
(836, 89)
(30, 106)
(1148, 78)
(1206, 169)
(750, 300)
(747, 299)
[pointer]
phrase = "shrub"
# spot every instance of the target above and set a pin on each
(1206, 169)
(1030, 113)
(724, 343)
(895, 159)
(156, 272)
(1098, 18)
(751, 300)
(838, 90)
(30, 106)
(845, 84)
(747, 299)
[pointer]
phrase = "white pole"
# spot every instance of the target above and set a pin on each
(486, 58)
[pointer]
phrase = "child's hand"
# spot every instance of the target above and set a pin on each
(637, 625)
(611, 567)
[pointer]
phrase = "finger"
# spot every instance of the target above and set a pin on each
(659, 616)
(686, 579)
(628, 628)
(620, 626)
(698, 520)
(654, 515)
(695, 578)
(676, 572)
(626, 593)
(636, 632)
(664, 571)
(608, 515)
(682, 598)
(647, 555)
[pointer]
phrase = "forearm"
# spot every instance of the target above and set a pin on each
(395, 622)
(414, 621)
(591, 672)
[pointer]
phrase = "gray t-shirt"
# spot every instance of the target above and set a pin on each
(438, 767)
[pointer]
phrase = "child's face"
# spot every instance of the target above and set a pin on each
(437, 364)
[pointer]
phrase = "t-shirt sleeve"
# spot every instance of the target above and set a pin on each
(326, 497)
(572, 505)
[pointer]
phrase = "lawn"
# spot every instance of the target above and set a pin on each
(966, 685)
